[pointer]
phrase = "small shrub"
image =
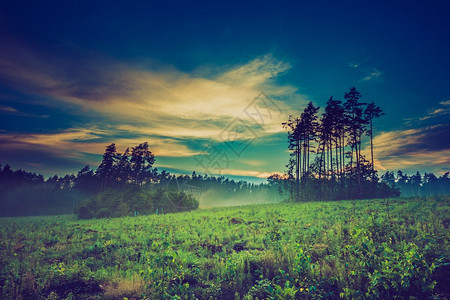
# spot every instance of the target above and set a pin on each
(402, 271)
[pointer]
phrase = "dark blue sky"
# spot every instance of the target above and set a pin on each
(75, 76)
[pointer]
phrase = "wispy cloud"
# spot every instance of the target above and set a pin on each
(436, 115)
(247, 173)
(253, 163)
(74, 143)
(425, 148)
(8, 109)
(374, 74)
(358, 59)
(13, 111)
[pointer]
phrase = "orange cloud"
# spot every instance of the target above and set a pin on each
(416, 149)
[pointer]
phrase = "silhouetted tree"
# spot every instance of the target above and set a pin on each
(142, 160)
(295, 134)
(388, 178)
(430, 184)
(310, 126)
(123, 169)
(416, 182)
(355, 122)
(86, 182)
(372, 111)
(106, 169)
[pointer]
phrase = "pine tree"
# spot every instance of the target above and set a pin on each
(123, 169)
(295, 134)
(355, 123)
(142, 160)
(106, 169)
(372, 111)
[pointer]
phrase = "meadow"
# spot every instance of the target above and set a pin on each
(366, 249)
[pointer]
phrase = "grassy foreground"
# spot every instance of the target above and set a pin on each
(347, 249)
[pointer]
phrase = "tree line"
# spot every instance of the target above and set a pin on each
(124, 183)
(417, 185)
(24, 193)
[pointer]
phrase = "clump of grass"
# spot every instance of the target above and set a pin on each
(131, 288)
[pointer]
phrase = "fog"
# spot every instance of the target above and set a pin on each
(216, 198)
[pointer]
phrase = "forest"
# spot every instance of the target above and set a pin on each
(124, 184)
(29, 194)
(327, 162)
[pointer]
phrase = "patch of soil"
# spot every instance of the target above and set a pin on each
(228, 291)
(442, 277)
(255, 222)
(238, 247)
(55, 260)
(19, 247)
(318, 251)
(193, 282)
(76, 287)
(2, 282)
(211, 247)
(235, 220)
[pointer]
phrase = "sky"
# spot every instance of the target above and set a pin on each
(208, 83)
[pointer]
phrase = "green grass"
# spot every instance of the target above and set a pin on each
(347, 249)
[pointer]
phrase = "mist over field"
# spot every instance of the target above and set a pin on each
(214, 198)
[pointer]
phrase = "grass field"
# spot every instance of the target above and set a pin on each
(348, 249)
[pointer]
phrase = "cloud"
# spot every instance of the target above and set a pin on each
(8, 109)
(253, 163)
(358, 59)
(163, 101)
(374, 74)
(246, 173)
(435, 112)
(434, 116)
(425, 148)
(128, 104)
(39, 159)
(75, 143)
(13, 111)
(255, 73)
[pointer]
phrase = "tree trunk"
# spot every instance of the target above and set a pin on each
(297, 173)
(371, 144)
